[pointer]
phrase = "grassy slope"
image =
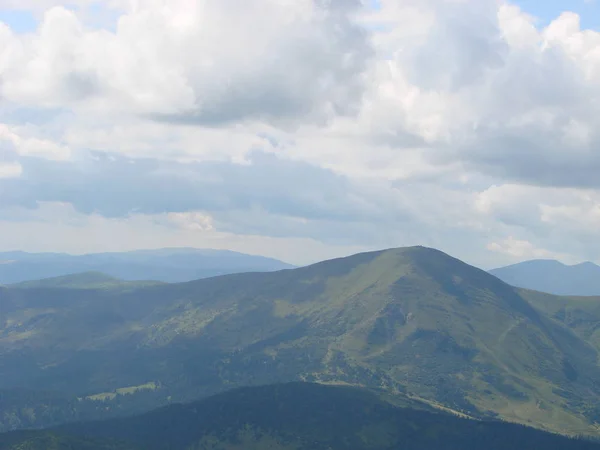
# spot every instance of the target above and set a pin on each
(51, 441)
(408, 320)
(84, 280)
(294, 416)
(580, 314)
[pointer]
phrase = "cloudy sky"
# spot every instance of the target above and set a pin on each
(302, 129)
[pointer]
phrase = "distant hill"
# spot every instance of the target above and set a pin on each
(553, 277)
(167, 265)
(295, 416)
(410, 320)
(84, 280)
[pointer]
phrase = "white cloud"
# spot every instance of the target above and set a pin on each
(580, 215)
(522, 249)
(196, 61)
(482, 86)
(30, 145)
(195, 220)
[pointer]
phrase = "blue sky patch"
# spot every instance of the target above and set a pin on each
(20, 21)
(548, 10)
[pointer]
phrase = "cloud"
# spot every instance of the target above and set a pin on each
(43, 5)
(12, 139)
(523, 250)
(560, 221)
(192, 220)
(268, 195)
(481, 85)
(10, 169)
(28, 230)
(201, 62)
(456, 124)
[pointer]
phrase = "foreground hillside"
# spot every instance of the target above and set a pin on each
(552, 277)
(411, 320)
(167, 265)
(297, 416)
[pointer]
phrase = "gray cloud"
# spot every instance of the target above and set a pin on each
(534, 156)
(315, 73)
(461, 50)
(115, 186)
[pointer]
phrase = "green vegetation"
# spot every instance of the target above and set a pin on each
(123, 391)
(51, 441)
(85, 280)
(295, 416)
(579, 314)
(410, 321)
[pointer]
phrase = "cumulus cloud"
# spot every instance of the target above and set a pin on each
(523, 250)
(457, 124)
(483, 86)
(200, 62)
(192, 220)
(13, 139)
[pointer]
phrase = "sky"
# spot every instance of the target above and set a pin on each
(304, 129)
(548, 10)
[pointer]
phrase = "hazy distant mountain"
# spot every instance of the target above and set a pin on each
(168, 265)
(294, 416)
(411, 320)
(553, 277)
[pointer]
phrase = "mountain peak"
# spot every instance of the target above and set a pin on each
(553, 277)
(587, 265)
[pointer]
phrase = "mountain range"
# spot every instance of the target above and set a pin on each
(553, 277)
(414, 322)
(293, 416)
(167, 265)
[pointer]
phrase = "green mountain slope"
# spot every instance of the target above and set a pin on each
(84, 280)
(296, 416)
(51, 441)
(580, 314)
(411, 320)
